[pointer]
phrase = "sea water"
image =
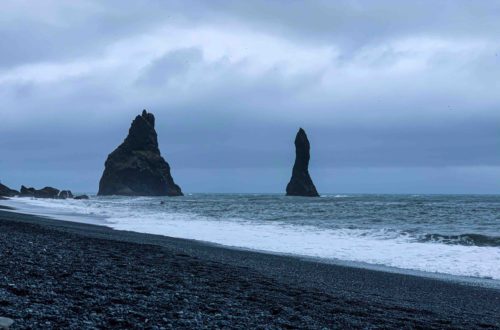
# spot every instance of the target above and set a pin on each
(455, 235)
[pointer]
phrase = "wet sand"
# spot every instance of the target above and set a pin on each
(57, 274)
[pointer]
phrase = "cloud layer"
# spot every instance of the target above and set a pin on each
(389, 86)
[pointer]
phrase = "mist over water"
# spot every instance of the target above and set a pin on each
(457, 235)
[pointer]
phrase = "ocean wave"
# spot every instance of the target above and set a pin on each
(465, 255)
(464, 239)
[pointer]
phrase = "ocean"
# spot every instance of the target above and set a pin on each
(442, 234)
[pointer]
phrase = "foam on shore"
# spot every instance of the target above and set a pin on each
(377, 247)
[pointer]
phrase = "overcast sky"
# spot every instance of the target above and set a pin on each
(395, 96)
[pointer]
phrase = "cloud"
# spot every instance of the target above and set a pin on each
(171, 66)
(385, 84)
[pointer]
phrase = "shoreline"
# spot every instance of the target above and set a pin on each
(90, 220)
(298, 292)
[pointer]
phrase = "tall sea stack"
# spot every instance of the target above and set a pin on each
(136, 167)
(301, 184)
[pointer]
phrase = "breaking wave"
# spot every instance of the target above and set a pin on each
(464, 239)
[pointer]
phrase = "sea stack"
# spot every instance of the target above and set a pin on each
(136, 167)
(301, 184)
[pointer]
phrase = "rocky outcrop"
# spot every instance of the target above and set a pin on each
(47, 192)
(82, 197)
(136, 167)
(27, 192)
(65, 194)
(301, 183)
(7, 192)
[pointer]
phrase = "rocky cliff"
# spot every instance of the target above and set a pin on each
(136, 167)
(301, 183)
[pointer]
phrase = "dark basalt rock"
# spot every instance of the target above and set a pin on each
(65, 194)
(27, 192)
(82, 197)
(47, 192)
(7, 192)
(136, 167)
(301, 183)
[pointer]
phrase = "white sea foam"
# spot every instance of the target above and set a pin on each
(379, 247)
(335, 196)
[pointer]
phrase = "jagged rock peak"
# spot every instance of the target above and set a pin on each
(136, 167)
(301, 183)
(142, 134)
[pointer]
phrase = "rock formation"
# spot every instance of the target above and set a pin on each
(81, 197)
(47, 192)
(65, 194)
(27, 192)
(7, 192)
(301, 184)
(136, 167)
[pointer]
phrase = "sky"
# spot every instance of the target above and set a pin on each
(395, 96)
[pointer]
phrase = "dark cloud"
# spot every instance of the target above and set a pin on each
(385, 89)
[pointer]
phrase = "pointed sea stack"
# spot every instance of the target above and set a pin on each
(301, 184)
(136, 167)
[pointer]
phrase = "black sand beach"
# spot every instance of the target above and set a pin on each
(56, 274)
